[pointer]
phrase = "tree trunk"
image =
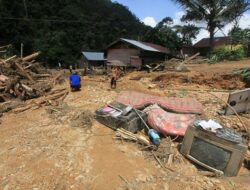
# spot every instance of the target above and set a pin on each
(211, 39)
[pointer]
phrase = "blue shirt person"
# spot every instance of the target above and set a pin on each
(75, 81)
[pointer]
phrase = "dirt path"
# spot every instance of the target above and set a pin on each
(40, 150)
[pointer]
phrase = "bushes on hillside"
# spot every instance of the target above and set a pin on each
(245, 73)
(226, 53)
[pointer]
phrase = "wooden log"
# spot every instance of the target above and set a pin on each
(27, 88)
(190, 58)
(42, 75)
(6, 60)
(20, 68)
(3, 78)
(124, 134)
(57, 77)
(156, 67)
(31, 57)
(181, 65)
(39, 102)
(6, 46)
(27, 67)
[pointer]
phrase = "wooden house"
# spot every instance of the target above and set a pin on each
(203, 46)
(136, 53)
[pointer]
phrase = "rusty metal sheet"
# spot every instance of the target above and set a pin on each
(240, 101)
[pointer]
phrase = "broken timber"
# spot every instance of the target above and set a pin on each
(38, 103)
(31, 57)
(6, 60)
(24, 72)
(181, 65)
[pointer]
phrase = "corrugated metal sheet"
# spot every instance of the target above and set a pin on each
(218, 41)
(140, 45)
(94, 56)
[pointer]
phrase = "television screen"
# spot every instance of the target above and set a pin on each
(210, 154)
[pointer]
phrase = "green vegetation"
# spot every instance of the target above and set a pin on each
(215, 13)
(245, 72)
(239, 48)
(226, 53)
(61, 29)
(172, 37)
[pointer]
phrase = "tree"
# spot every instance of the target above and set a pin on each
(215, 13)
(62, 29)
(187, 33)
(164, 35)
(240, 36)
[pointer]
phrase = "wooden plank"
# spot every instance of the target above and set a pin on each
(24, 72)
(6, 60)
(181, 65)
(6, 46)
(3, 78)
(32, 56)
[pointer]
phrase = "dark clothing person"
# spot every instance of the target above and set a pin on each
(115, 75)
(75, 81)
(113, 82)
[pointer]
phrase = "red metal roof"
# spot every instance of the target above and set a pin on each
(218, 41)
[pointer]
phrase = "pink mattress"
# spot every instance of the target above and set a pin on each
(168, 123)
(178, 105)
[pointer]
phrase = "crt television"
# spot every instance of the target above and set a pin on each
(213, 152)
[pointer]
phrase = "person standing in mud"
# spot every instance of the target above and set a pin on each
(114, 76)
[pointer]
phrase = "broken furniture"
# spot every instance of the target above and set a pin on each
(117, 115)
(239, 101)
(221, 151)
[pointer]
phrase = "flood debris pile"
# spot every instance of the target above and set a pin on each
(62, 113)
(175, 128)
(83, 119)
(24, 79)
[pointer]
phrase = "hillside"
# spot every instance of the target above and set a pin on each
(61, 29)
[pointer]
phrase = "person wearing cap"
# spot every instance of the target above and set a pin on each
(75, 81)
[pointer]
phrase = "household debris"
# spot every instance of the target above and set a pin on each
(176, 121)
(240, 101)
(116, 115)
(167, 123)
(178, 105)
(152, 134)
(222, 151)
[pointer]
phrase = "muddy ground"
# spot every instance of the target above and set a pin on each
(63, 147)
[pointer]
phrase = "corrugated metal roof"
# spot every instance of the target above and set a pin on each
(218, 41)
(94, 56)
(140, 45)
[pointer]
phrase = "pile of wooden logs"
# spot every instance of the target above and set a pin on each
(24, 79)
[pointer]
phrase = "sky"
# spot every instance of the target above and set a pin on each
(153, 11)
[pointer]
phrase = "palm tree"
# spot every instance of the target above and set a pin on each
(215, 13)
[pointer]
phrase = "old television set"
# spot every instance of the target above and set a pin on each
(212, 152)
